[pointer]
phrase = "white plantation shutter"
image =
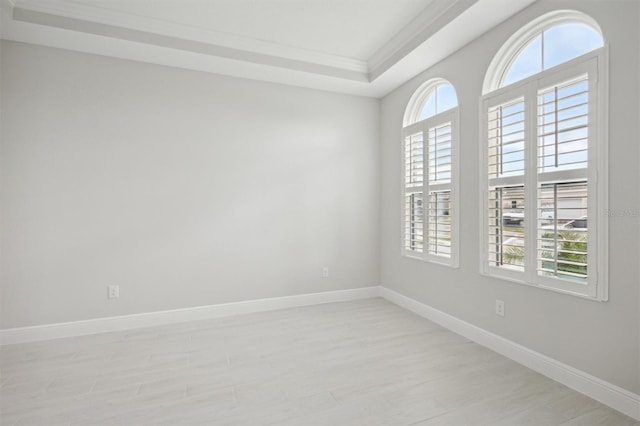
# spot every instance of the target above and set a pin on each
(429, 205)
(506, 173)
(413, 193)
(414, 161)
(439, 184)
(540, 164)
(506, 231)
(563, 192)
(563, 125)
(562, 231)
(440, 154)
(506, 139)
(440, 223)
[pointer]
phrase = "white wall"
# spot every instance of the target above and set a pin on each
(1, 154)
(184, 188)
(599, 338)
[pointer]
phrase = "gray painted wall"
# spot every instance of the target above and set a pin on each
(184, 188)
(599, 338)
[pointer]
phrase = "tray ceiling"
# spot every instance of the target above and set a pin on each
(364, 47)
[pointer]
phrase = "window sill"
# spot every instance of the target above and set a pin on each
(449, 263)
(511, 279)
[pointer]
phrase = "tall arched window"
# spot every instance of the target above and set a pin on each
(430, 150)
(544, 145)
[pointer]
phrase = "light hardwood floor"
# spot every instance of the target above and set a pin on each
(365, 362)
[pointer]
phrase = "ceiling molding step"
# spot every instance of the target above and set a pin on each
(93, 19)
(481, 17)
(38, 35)
(433, 19)
(436, 33)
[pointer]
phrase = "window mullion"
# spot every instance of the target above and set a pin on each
(426, 170)
(597, 186)
(531, 183)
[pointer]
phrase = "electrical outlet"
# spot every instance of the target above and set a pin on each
(325, 272)
(113, 291)
(499, 307)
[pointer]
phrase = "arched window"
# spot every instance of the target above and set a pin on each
(545, 42)
(551, 47)
(430, 150)
(433, 97)
(544, 143)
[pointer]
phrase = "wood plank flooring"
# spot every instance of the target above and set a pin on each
(366, 362)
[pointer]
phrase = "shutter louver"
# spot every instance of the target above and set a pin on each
(506, 139)
(414, 184)
(563, 126)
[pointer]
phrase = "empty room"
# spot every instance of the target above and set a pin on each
(319, 212)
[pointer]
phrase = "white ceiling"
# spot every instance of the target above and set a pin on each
(364, 47)
(351, 28)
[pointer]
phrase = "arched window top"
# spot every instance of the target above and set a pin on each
(548, 41)
(433, 97)
(551, 47)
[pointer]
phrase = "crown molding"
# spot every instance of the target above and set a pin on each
(433, 18)
(475, 20)
(97, 20)
(442, 28)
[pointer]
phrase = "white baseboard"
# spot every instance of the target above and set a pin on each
(609, 394)
(127, 322)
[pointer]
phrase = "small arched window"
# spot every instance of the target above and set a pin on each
(430, 150)
(433, 97)
(544, 144)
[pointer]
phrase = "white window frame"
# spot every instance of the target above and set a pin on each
(507, 54)
(595, 64)
(452, 116)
